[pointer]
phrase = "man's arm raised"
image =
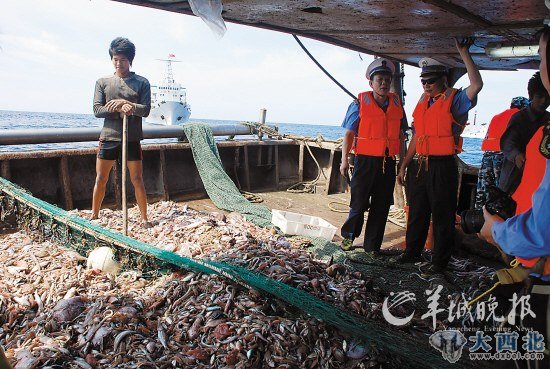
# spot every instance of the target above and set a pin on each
(476, 83)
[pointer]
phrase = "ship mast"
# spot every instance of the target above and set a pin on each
(168, 75)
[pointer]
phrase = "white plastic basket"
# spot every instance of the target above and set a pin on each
(303, 225)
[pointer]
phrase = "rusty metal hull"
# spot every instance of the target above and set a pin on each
(404, 31)
(66, 177)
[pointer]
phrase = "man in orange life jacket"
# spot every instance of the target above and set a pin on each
(520, 130)
(375, 122)
(527, 235)
(432, 179)
(489, 173)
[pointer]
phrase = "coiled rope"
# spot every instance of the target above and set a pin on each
(308, 186)
(396, 215)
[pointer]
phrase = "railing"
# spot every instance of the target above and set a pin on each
(57, 135)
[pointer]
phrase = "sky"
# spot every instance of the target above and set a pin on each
(53, 51)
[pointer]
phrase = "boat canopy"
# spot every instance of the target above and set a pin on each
(404, 31)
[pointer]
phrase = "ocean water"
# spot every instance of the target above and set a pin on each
(31, 120)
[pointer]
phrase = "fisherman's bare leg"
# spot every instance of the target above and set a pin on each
(102, 168)
(136, 175)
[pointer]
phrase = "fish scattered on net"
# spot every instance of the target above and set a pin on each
(231, 238)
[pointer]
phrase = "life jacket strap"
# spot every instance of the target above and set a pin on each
(421, 160)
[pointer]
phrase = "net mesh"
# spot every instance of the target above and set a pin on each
(390, 277)
(219, 186)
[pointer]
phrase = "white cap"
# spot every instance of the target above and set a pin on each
(380, 65)
(431, 66)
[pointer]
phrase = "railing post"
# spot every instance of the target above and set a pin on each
(65, 179)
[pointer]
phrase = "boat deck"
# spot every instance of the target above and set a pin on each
(316, 205)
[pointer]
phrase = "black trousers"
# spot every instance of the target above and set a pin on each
(432, 191)
(371, 189)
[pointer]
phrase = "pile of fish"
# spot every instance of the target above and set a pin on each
(55, 313)
(232, 239)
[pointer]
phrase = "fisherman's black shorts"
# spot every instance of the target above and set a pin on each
(112, 150)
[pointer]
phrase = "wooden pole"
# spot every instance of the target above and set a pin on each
(301, 163)
(124, 171)
(65, 179)
(277, 168)
(164, 176)
(329, 174)
(246, 169)
(5, 169)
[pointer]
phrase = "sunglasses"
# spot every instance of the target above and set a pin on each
(430, 81)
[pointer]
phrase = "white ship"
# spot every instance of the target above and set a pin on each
(475, 130)
(169, 99)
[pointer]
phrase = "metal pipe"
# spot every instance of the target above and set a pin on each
(262, 115)
(57, 135)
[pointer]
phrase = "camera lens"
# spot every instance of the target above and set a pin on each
(471, 221)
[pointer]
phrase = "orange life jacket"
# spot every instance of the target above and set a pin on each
(533, 173)
(433, 125)
(496, 130)
(378, 130)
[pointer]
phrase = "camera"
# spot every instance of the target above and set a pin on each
(498, 203)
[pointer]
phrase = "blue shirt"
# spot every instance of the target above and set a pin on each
(459, 108)
(527, 235)
(351, 121)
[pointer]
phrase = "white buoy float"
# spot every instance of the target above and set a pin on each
(103, 258)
